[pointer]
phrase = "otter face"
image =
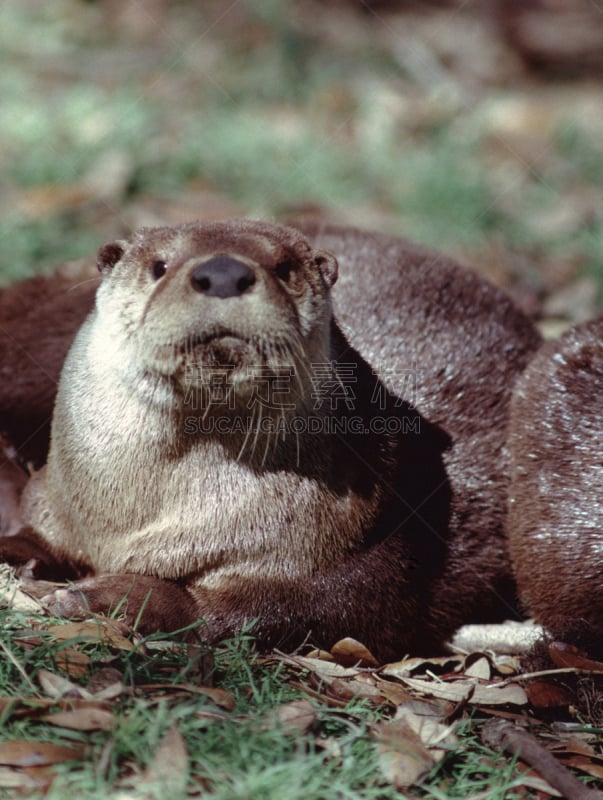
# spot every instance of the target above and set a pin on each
(219, 304)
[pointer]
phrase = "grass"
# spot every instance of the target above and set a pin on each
(237, 753)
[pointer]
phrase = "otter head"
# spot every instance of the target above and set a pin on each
(220, 308)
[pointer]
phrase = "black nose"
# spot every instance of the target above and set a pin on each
(222, 276)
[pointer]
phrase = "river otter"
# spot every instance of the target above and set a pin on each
(221, 449)
(556, 496)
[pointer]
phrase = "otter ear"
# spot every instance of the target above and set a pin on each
(327, 264)
(109, 255)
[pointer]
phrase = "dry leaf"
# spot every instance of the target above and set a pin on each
(426, 720)
(478, 667)
(403, 757)
(101, 630)
(220, 697)
(73, 661)
(440, 665)
(585, 765)
(460, 691)
(323, 669)
(354, 688)
(394, 693)
(169, 765)
(36, 754)
(543, 694)
(291, 718)
(56, 686)
(82, 719)
(566, 655)
(106, 684)
(21, 779)
(351, 653)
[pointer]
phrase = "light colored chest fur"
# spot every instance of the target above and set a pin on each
(122, 492)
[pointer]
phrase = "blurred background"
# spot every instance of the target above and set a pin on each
(473, 127)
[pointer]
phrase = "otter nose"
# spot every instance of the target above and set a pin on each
(222, 276)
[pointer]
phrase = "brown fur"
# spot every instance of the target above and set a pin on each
(393, 539)
(556, 499)
(38, 319)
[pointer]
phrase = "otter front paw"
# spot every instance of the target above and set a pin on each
(146, 603)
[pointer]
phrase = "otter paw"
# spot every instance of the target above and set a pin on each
(67, 603)
(147, 603)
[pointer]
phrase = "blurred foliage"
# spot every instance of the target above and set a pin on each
(391, 121)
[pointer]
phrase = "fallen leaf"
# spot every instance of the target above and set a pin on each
(73, 661)
(99, 630)
(82, 719)
(20, 779)
(21, 753)
(393, 692)
(56, 686)
(351, 653)
(354, 688)
(542, 694)
(324, 669)
(291, 718)
(566, 655)
(403, 758)
(408, 666)
(462, 690)
(219, 696)
(426, 720)
(585, 765)
(169, 765)
(478, 667)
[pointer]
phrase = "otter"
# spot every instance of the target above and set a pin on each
(556, 493)
(240, 436)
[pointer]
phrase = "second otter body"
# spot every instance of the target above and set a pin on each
(556, 498)
(219, 435)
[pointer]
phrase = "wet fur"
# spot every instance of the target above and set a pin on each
(556, 500)
(393, 539)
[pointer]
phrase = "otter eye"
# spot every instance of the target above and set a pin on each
(158, 269)
(284, 269)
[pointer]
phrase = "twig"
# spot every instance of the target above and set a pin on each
(501, 734)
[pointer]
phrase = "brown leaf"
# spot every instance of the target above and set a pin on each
(56, 686)
(101, 630)
(73, 661)
(351, 653)
(393, 692)
(220, 697)
(24, 779)
(426, 719)
(20, 753)
(585, 765)
(354, 688)
(82, 719)
(439, 665)
(403, 757)
(325, 670)
(291, 718)
(542, 694)
(106, 684)
(463, 690)
(169, 765)
(566, 655)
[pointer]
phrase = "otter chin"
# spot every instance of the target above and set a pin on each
(302, 427)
